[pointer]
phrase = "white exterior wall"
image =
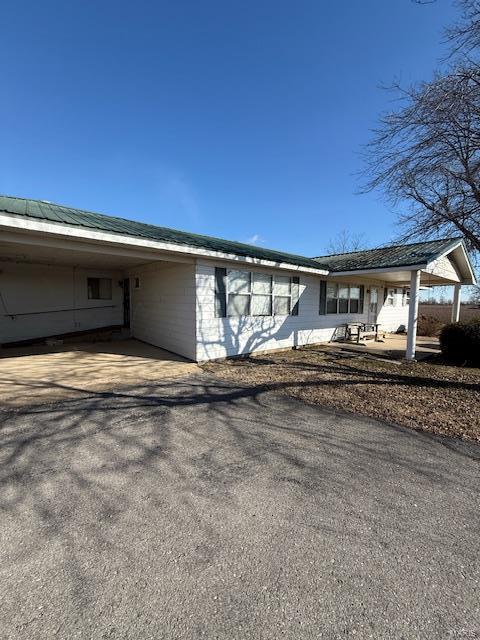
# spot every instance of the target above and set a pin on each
(61, 292)
(221, 337)
(163, 307)
(393, 318)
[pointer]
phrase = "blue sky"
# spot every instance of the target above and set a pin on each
(243, 120)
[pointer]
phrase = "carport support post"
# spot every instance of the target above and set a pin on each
(413, 315)
(456, 302)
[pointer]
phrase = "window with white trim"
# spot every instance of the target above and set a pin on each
(344, 298)
(390, 297)
(259, 294)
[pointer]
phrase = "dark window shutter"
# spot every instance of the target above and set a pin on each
(220, 292)
(295, 295)
(323, 298)
(362, 298)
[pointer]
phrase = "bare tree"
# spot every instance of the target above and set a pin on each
(427, 154)
(464, 36)
(474, 297)
(345, 242)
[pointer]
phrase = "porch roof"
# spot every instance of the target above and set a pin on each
(398, 260)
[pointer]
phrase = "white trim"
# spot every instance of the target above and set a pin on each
(413, 315)
(457, 296)
(459, 244)
(63, 230)
(359, 272)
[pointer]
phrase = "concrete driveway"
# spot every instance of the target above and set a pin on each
(40, 373)
(197, 509)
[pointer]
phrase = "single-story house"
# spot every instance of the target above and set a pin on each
(65, 270)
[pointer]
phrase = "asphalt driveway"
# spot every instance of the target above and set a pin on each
(197, 509)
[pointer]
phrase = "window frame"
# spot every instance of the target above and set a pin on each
(390, 297)
(337, 299)
(90, 293)
(292, 296)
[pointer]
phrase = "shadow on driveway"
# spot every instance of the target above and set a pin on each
(197, 508)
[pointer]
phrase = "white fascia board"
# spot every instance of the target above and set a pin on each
(466, 257)
(81, 233)
(366, 272)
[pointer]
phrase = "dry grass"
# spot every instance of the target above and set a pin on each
(443, 312)
(431, 397)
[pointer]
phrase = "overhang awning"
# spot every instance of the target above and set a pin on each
(440, 262)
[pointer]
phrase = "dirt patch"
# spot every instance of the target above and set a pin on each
(427, 396)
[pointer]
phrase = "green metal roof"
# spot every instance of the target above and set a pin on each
(47, 211)
(406, 255)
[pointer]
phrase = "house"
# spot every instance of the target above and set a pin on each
(65, 270)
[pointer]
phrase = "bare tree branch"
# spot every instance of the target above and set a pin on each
(345, 242)
(427, 154)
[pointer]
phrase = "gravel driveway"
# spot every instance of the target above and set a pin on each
(198, 509)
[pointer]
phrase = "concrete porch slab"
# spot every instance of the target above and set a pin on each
(394, 347)
(39, 374)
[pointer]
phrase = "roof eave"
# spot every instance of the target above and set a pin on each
(16, 222)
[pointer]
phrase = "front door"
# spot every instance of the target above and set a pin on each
(373, 305)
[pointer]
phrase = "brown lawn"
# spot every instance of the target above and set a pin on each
(441, 399)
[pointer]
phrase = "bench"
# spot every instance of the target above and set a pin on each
(358, 331)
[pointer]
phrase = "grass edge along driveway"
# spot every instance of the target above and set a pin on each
(426, 396)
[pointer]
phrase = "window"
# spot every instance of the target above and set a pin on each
(283, 295)
(99, 288)
(354, 299)
(261, 294)
(332, 298)
(390, 297)
(254, 294)
(239, 292)
(406, 297)
(137, 283)
(340, 298)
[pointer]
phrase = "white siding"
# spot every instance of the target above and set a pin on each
(220, 337)
(393, 318)
(163, 308)
(60, 293)
(445, 268)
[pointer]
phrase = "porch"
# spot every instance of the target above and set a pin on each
(407, 268)
(393, 346)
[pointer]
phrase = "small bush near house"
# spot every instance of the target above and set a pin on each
(429, 326)
(460, 342)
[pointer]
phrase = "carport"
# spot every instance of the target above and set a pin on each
(59, 284)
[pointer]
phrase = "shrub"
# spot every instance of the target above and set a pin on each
(460, 342)
(429, 326)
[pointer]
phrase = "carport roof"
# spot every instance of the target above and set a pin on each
(48, 211)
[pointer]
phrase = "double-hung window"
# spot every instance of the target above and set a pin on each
(241, 293)
(340, 298)
(261, 303)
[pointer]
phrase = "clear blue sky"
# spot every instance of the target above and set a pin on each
(237, 119)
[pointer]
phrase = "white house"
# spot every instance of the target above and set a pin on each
(64, 270)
